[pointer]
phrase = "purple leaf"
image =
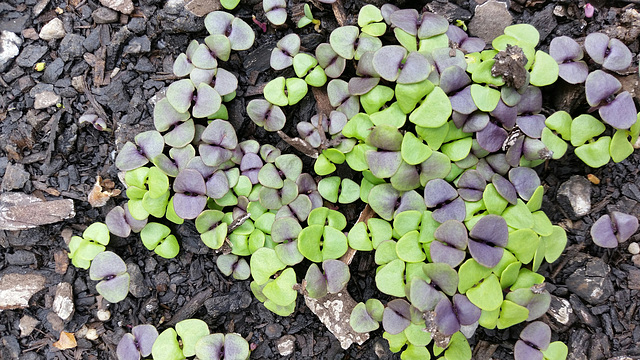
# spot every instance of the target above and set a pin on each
(387, 61)
(531, 101)
(455, 210)
(446, 318)
(537, 334)
(525, 180)
(491, 137)
(225, 82)
(207, 101)
(217, 185)
(505, 188)
(407, 20)
(596, 45)
(423, 295)
(432, 25)
(621, 112)
(441, 253)
(416, 68)
(522, 351)
(453, 79)
(531, 125)
(564, 48)
(265, 114)
(127, 349)
(396, 316)
(476, 121)
(145, 335)
(106, 264)
(443, 276)
(609, 230)
(452, 233)
(619, 56)
(505, 114)
(599, 86)
(180, 94)
(462, 101)
(471, 185)
(466, 311)
(190, 198)
(487, 239)
(437, 192)
(573, 72)
(117, 223)
(332, 63)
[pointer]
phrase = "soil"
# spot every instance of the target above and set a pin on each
(126, 63)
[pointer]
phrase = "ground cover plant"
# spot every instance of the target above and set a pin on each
(440, 134)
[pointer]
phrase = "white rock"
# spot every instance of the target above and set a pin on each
(286, 345)
(634, 248)
(103, 315)
(92, 334)
(54, 29)
(9, 47)
(46, 99)
(63, 301)
(27, 325)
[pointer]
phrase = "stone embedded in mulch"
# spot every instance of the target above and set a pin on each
(21, 257)
(27, 325)
(105, 15)
(31, 54)
(17, 289)
(137, 286)
(591, 283)
(71, 47)
(123, 6)
(583, 313)
(489, 20)
(46, 99)
(63, 301)
(574, 195)
(286, 345)
(9, 48)
(53, 71)
(52, 30)
(561, 313)
(15, 177)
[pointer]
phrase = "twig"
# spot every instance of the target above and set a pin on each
(338, 11)
(97, 107)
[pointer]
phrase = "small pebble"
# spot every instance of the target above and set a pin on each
(91, 334)
(634, 248)
(636, 260)
(103, 315)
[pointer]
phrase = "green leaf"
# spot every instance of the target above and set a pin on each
(413, 150)
(168, 247)
(518, 216)
(280, 310)
(510, 274)
(470, 274)
(524, 33)
(316, 77)
(380, 231)
(296, 90)
(264, 263)
(482, 74)
(417, 335)
(585, 127)
(458, 149)
(527, 279)
(274, 92)
(280, 291)
(560, 121)
(329, 188)
(620, 148)
(485, 98)
(190, 331)
(408, 95)
(494, 203)
(554, 143)
(544, 70)
(535, 202)
(409, 249)
(359, 237)
(376, 98)
(413, 352)
(98, 232)
(489, 319)
(487, 295)
(358, 127)
(302, 63)
(523, 244)
(541, 223)
(554, 244)
(511, 314)
(434, 110)
(323, 166)
(458, 348)
(390, 278)
(595, 154)
(386, 252)
(369, 14)
(557, 350)
(167, 347)
(396, 342)
(349, 191)
(392, 115)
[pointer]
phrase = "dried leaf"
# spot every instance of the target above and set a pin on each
(67, 341)
(97, 197)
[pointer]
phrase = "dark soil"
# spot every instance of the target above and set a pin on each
(62, 159)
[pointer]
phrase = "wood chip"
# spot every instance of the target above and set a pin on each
(203, 7)
(17, 289)
(61, 261)
(19, 211)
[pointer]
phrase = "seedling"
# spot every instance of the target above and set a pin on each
(120, 222)
(568, 54)
(97, 122)
(612, 54)
(610, 230)
(286, 48)
(333, 280)
(167, 346)
(93, 241)
(148, 145)
(307, 19)
(238, 32)
(275, 10)
(222, 346)
(111, 271)
(138, 343)
(157, 237)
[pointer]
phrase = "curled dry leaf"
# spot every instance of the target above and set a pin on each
(67, 341)
(97, 197)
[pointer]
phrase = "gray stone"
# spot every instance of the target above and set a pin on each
(15, 25)
(144, 65)
(37, 8)
(137, 286)
(583, 313)
(123, 6)
(63, 301)
(52, 30)
(286, 345)
(21, 258)
(17, 289)
(92, 42)
(27, 325)
(138, 25)
(15, 72)
(574, 195)
(138, 45)
(179, 22)
(40, 87)
(489, 20)
(53, 71)
(105, 15)
(71, 47)
(273, 331)
(449, 10)
(561, 314)
(9, 48)
(10, 348)
(14, 177)
(31, 54)
(46, 99)
(24, 84)
(591, 283)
